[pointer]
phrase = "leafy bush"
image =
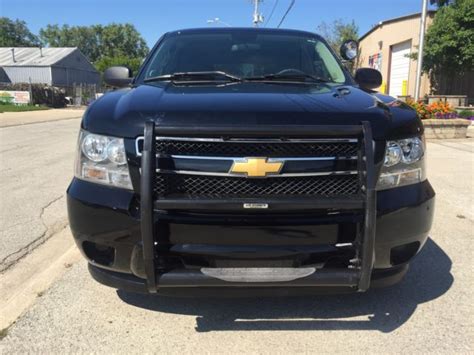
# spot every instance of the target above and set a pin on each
(467, 114)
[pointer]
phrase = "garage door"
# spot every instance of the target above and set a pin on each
(399, 68)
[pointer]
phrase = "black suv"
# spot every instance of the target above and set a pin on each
(249, 160)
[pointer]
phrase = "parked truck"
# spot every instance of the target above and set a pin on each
(249, 161)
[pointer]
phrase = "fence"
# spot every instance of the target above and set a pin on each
(82, 94)
(455, 84)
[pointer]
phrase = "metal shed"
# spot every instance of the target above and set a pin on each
(61, 67)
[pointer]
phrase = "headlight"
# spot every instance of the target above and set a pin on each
(412, 150)
(393, 154)
(403, 163)
(102, 159)
(94, 147)
(116, 152)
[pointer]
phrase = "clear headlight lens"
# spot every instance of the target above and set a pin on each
(403, 163)
(116, 152)
(94, 147)
(393, 154)
(412, 150)
(103, 160)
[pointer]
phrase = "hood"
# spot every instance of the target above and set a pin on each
(122, 113)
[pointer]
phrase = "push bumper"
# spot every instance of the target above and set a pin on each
(125, 229)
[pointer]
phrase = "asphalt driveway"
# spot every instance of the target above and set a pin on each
(36, 166)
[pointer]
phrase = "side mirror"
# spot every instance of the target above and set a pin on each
(368, 78)
(118, 76)
(349, 49)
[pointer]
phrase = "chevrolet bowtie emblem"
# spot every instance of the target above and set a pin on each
(256, 167)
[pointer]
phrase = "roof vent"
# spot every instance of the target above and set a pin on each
(41, 51)
(13, 55)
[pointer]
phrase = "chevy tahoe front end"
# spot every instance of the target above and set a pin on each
(249, 160)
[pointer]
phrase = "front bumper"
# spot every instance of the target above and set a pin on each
(111, 217)
(194, 283)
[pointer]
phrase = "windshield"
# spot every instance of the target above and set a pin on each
(244, 54)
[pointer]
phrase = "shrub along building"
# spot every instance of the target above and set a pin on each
(60, 67)
(388, 46)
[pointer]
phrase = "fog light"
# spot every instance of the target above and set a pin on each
(98, 253)
(403, 253)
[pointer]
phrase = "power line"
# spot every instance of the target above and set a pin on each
(286, 13)
(275, 4)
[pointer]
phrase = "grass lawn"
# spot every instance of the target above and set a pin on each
(21, 108)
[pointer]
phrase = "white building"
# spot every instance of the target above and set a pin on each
(54, 66)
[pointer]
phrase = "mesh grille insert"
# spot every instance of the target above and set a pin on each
(267, 149)
(191, 186)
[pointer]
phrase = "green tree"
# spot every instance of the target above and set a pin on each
(449, 45)
(106, 62)
(122, 40)
(16, 34)
(338, 31)
(99, 43)
(440, 3)
(83, 37)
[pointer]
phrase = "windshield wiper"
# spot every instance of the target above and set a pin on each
(196, 75)
(298, 77)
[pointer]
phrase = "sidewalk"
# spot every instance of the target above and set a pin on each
(8, 119)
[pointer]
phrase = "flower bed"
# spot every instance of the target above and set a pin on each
(441, 120)
(435, 110)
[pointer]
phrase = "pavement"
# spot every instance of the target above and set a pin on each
(36, 166)
(429, 311)
(11, 119)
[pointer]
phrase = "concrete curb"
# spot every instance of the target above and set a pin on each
(446, 129)
(34, 274)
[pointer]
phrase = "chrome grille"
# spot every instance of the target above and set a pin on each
(186, 184)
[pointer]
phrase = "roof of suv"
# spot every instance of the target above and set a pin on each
(244, 29)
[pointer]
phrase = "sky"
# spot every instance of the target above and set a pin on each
(152, 18)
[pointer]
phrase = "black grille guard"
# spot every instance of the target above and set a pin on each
(357, 277)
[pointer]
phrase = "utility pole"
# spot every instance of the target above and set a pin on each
(420, 50)
(257, 16)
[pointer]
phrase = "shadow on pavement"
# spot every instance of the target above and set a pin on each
(385, 310)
